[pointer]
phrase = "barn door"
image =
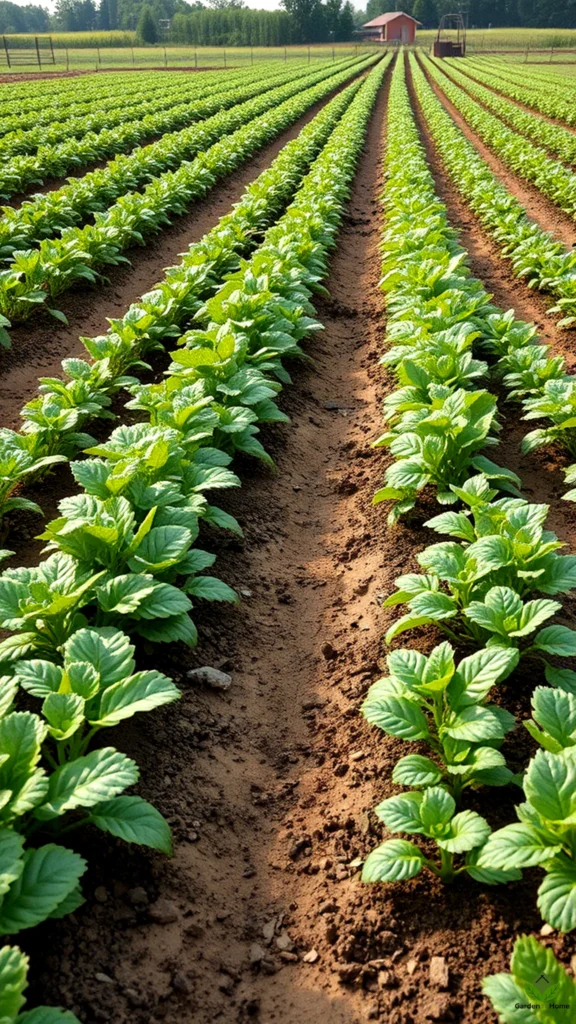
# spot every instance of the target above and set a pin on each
(404, 33)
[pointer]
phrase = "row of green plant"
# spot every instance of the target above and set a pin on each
(533, 376)
(488, 587)
(54, 161)
(530, 162)
(555, 138)
(91, 91)
(534, 255)
(535, 82)
(120, 545)
(22, 139)
(38, 275)
(54, 421)
(47, 215)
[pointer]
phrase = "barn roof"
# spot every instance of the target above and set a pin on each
(383, 19)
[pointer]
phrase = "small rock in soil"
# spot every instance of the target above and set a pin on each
(180, 983)
(256, 953)
(138, 897)
(311, 956)
(329, 652)
(411, 966)
(269, 929)
(100, 894)
(439, 974)
(284, 941)
(290, 958)
(387, 979)
(211, 677)
(439, 1009)
(546, 929)
(104, 979)
(163, 912)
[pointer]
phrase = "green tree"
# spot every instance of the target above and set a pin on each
(147, 29)
(347, 23)
(426, 12)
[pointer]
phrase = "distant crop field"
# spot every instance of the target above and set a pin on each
(89, 51)
(512, 38)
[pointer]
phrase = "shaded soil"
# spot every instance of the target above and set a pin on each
(542, 210)
(270, 786)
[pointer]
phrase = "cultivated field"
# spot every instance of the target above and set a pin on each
(287, 499)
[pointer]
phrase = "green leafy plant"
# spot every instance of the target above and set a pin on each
(537, 989)
(432, 700)
(545, 835)
(13, 983)
(431, 814)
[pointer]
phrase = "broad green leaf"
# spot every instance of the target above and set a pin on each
(416, 770)
(550, 784)
(393, 861)
(134, 820)
(401, 813)
(13, 971)
(11, 863)
(48, 876)
(519, 845)
(467, 830)
(397, 716)
(557, 897)
(556, 640)
(437, 807)
(88, 780)
(64, 713)
(140, 692)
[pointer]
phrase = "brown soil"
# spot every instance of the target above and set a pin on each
(39, 345)
(542, 210)
(270, 787)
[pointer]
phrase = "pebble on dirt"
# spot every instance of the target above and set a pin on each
(211, 677)
(163, 912)
(439, 974)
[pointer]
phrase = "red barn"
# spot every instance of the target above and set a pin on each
(394, 27)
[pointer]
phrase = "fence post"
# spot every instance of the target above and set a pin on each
(67, 60)
(38, 52)
(99, 56)
(7, 51)
(133, 60)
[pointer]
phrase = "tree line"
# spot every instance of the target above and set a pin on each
(485, 13)
(229, 23)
